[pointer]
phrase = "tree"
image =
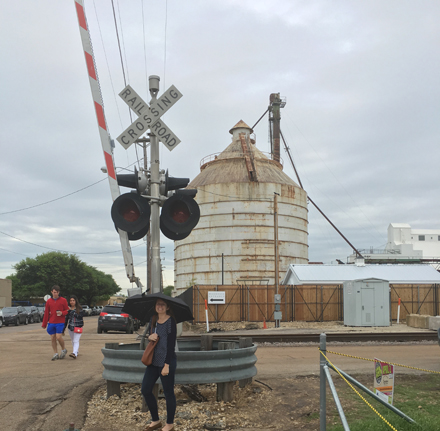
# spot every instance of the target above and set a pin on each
(34, 277)
(168, 290)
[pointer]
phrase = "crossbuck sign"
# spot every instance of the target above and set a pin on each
(149, 117)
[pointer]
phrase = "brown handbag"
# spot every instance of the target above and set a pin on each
(147, 357)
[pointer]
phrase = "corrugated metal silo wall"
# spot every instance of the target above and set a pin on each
(237, 221)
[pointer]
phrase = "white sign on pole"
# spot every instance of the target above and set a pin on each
(149, 117)
(216, 298)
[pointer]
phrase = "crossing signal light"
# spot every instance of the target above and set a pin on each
(168, 183)
(138, 180)
(180, 215)
(131, 213)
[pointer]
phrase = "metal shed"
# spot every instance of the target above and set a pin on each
(317, 291)
(367, 302)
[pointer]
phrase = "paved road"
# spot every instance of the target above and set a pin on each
(37, 394)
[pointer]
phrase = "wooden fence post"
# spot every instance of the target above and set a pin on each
(244, 342)
(225, 390)
(113, 388)
(206, 342)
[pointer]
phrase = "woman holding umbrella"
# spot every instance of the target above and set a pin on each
(162, 325)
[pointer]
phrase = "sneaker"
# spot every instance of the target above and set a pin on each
(63, 354)
(55, 357)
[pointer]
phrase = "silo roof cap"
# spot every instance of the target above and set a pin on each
(240, 125)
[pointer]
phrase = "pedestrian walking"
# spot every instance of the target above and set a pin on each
(75, 323)
(162, 325)
(54, 316)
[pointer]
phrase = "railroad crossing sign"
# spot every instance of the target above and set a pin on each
(149, 117)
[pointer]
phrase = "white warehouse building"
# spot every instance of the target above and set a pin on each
(405, 244)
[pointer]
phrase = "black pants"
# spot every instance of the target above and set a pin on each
(151, 375)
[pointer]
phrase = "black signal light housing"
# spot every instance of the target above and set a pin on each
(131, 213)
(180, 215)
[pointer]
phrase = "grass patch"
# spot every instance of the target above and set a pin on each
(416, 396)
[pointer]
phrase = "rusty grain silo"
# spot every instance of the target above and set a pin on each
(236, 228)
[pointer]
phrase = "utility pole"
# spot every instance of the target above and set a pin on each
(275, 225)
(277, 297)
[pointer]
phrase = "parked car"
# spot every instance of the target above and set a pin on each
(14, 316)
(1, 319)
(95, 311)
(87, 310)
(111, 318)
(33, 313)
(41, 311)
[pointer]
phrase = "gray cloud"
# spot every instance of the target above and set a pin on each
(362, 89)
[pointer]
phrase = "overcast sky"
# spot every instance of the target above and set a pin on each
(362, 84)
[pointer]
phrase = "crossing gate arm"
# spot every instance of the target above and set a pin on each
(103, 132)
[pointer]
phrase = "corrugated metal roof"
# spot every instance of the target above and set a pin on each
(240, 125)
(230, 166)
(337, 274)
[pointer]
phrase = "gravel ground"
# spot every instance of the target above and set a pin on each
(126, 413)
(300, 326)
(292, 401)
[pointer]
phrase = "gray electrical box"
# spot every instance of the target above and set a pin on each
(367, 302)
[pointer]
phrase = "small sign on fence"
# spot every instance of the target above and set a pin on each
(384, 380)
(216, 298)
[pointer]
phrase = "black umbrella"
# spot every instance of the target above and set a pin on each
(143, 307)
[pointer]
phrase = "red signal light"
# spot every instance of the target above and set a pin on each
(179, 212)
(129, 211)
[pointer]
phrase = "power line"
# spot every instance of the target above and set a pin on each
(120, 52)
(55, 249)
(108, 67)
(145, 48)
(123, 43)
(165, 45)
(62, 251)
(13, 252)
(65, 196)
(119, 42)
(53, 200)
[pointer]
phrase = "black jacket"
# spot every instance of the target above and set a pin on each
(74, 320)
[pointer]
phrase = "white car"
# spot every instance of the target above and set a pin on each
(87, 310)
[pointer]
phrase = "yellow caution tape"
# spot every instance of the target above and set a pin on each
(392, 363)
(357, 392)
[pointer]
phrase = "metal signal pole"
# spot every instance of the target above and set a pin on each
(155, 197)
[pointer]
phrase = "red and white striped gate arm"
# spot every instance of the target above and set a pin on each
(103, 133)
